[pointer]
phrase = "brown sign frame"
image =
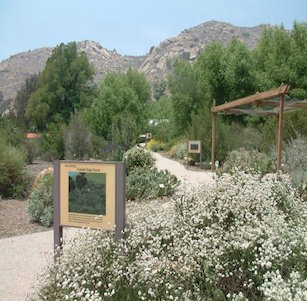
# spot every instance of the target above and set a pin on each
(114, 217)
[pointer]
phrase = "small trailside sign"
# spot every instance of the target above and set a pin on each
(88, 195)
(194, 147)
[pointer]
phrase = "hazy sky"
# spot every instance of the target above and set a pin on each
(131, 26)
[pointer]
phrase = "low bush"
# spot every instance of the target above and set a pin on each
(248, 160)
(242, 239)
(77, 139)
(294, 161)
(40, 206)
(32, 147)
(137, 157)
(149, 183)
(14, 179)
(179, 150)
(155, 145)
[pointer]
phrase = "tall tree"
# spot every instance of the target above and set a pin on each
(62, 88)
(124, 94)
(23, 95)
(280, 56)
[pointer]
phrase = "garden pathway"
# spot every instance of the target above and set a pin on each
(23, 258)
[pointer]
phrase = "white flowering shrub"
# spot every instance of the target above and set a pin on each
(250, 160)
(138, 157)
(242, 239)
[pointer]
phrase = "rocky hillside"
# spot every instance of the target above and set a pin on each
(189, 43)
(155, 65)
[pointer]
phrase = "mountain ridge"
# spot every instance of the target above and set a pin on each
(156, 64)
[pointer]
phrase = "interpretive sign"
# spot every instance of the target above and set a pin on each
(194, 147)
(89, 195)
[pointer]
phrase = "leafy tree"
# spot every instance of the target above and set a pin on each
(280, 56)
(186, 93)
(211, 66)
(63, 86)
(23, 95)
(159, 89)
(124, 94)
(239, 75)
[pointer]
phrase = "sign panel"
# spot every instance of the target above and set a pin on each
(194, 147)
(87, 193)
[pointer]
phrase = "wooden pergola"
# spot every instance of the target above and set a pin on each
(257, 105)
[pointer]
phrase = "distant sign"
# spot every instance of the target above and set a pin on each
(90, 195)
(194, 147)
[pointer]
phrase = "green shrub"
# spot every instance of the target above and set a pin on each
(248, 160)
(40, 206)
(13, 178)
(149, 183)
(137, 157)
(294, 161)
(77, 139)
(179, 150)
(52, 145)
(32, 147)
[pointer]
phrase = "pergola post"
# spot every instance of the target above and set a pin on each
(213, 139)
(279, 136)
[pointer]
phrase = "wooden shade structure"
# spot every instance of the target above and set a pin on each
(263, 99)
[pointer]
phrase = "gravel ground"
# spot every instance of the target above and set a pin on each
(24, 257)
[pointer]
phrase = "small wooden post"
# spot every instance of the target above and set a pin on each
(188, 154)
(213, 139)
(279, 141)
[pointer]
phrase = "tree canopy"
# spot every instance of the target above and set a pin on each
(62, 88)
(122, 96)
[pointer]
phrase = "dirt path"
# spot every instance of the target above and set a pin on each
(188, 178)
(23, 258)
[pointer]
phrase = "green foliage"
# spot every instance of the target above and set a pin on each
(161, 119)
(179, 150)
(159, 89)
(40, 206)
(121, 95)
(14, 180)
(62, 88)
(186, 93)
(23, 95)
(294, 161)
(294, 124)
(11, 132)
(77, 139)
(280, 57)
(124, 130)
(137, 157)
(52, 146)
(149, 183)
(248, 160)
(33, 149)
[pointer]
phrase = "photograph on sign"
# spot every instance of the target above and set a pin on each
(87, 193)
(194, 147)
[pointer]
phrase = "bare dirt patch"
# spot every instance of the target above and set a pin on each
(14, 219)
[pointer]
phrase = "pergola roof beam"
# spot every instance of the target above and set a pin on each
(283, 89)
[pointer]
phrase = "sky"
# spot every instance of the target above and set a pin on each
(129, 26)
